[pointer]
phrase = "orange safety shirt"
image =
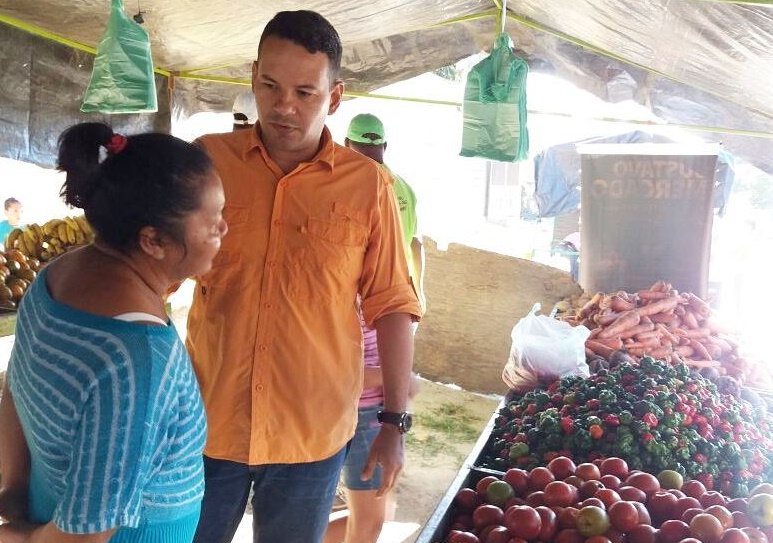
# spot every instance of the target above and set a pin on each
(273, 329)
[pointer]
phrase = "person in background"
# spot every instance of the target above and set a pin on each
(102, 425)
(273, 329)
(367, 509)
(570, 248)
(12, 218)
(244, 111)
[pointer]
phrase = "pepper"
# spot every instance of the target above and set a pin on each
(650, 419)
(596, 431)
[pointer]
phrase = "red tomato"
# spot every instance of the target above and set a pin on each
(588, 471)
(539, 478)
(712, 497)
(734, 535)
(643, 533)
(614, 466)
(466, 500)
(482, 485)
(693, 488)
(562, 467)
(755, 535)
(662, 506)
(623, 515)
(706, 527)
(549, 523)
(523, 521)
(560, 493)
(673, 531)
(611, 481)
(567, 519)
(518, 479)
(632, 494)
(486, 515)
(608, 496)
(723, 514)
(569, 535)
(644, 481)
(589, 488)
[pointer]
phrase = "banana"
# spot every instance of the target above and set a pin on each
(13, 235)
(37, 229)
(61, 232)
(21, 245)
(50, 227)
(72, 237)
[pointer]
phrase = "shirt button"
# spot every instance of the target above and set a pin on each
(259, 388)
(303, 229)
(263, 348)
(277, 223)
(267, 305)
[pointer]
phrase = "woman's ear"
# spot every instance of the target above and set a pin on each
(151, 242)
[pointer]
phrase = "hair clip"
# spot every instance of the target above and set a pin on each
(116, 144)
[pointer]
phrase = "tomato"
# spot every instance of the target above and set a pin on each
(644, 481)
(562, 467)
(592, 520)
(487, 514)
(644, 515)
(569, 535)
(608, 496)
(723, 514)
(463, 537)
(567, 518)
(611, 481)
(755, 535)
(539, 478)
(518, 479)
(706, 527)
(623, 515)
(643, 533)
(560, 493)
(760, 510)
(588, 471)
(632, 494)
(598, 539)
(683, 504)
(662, 506)
(712, 497)
(482, 485)
(688, 514)
(614, 466)
(497, 534)
(549, 523)
(693, 488)
(737, 504)
(574, 481)
(499, 492)
(673, 531)
(762, 488)
(734, 535)
(466, 500)
(741, 520)
(535, 499)
(523, 521)
(589, 488)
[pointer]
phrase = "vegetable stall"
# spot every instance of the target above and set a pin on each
(661, 441)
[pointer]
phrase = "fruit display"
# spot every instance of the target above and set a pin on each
(28, 249)
(653, 414)
(663, 323)
(51, 239)
(604, 501)
(17, 271)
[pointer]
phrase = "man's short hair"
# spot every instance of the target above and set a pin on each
(311, 31)
(11, 201)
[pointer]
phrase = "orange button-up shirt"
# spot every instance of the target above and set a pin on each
(273, 330)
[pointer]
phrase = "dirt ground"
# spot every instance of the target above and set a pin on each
(447, 423)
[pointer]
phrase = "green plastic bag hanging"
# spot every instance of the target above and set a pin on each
(122, 80)
(494, 107)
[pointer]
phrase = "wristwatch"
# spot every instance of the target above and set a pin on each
(403, 420)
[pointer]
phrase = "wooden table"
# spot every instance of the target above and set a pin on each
(7, 323)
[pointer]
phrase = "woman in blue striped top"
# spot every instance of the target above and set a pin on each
(101, 424)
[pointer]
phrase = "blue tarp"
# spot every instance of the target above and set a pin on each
(557, 174)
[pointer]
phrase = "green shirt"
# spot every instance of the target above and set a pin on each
(406, 201)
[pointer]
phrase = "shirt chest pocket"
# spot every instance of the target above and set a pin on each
(344, 231)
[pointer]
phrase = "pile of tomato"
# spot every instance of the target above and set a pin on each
(655, 415)
(603, 502)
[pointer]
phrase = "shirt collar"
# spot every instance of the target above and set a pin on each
(326, 153)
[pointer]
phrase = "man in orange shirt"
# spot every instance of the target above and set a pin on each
(274, 331)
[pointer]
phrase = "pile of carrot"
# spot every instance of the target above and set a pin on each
(663, 323)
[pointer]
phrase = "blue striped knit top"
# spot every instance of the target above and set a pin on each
(114, 421)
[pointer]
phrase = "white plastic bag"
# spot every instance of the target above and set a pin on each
(544, 349)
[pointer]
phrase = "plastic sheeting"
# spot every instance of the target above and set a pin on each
(557, 173)
(691, 62)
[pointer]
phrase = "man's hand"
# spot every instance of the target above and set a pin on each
(388, 452)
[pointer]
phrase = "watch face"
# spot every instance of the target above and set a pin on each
(407, 422)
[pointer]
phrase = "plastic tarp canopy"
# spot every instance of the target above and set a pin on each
(692, 62)
(557, 173)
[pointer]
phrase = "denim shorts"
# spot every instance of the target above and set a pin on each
(368, 428)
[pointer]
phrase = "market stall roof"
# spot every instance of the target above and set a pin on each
(693, 62)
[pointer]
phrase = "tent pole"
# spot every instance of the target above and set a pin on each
(503, 17)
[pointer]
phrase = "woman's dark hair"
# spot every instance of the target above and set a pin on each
(311, 31)
(144, 180)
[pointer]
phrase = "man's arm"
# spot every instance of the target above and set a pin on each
(395, 349)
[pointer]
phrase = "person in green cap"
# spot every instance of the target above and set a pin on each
(367, 510)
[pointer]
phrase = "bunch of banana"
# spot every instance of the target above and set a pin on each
(52, 239)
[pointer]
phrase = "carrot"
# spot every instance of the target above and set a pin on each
(595, 332)
(606, 319)
(599, 348)
(641, 336)
(660, 286)
(660, 352)
(591, 304)
(618, 303)
(666, 333)
(647, 343)
(700, 350)
(684, 350)
(715, 352)
(638, 329)
(647, 294)
(613, 342)
(660, 306)
(665, 318)
(701, 363)
(699, 305)
(689, 320)
(693, 333)
(723, 345)
(623, 322)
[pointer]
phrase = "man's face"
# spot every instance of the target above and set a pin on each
(294, 95)
(373, 152)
